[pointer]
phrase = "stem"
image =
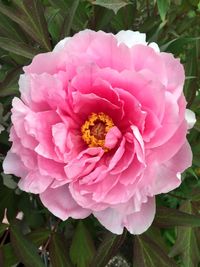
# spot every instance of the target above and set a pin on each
(5, 237)
(54, 229)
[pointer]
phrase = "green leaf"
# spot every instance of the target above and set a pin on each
(9, 85)
(18, 48)
(114, 5)
(7, 256)
(82, 249)
(10, 29)
(34, 219)
(58, 252)
(187, 242)
(33, 12)
(177, 44)
(54, 21)
(192, 69)
(67, 24)
(8, 181)
(108, 248)
(25, 250)
(148, 253)
(195, 194)
(155, 231)
(167, 217)
(30, 16)
(39, 236)
(61, 4)
(163, 6)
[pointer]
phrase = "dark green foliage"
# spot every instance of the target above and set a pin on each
(29, 27)
(58, 252)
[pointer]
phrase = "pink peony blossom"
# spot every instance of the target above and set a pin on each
(100, 129)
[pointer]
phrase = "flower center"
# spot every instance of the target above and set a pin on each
(95, 128)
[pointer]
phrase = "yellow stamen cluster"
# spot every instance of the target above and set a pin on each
(95, 128)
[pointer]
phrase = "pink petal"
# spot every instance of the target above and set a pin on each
(125, 159)
(144, 57)
(170, 122)
(149, 92)
(51, 168)
(133, 114)
(85, 104)
(46, 62)
(112, 138)
(88, 81)
(12, 164)
(39, 125)
(35, 183)
(152, 124)
(182, 159)
(175, 74)
(19, 111)
(111, 219)
(27, 156)
(138, 222)
(50, 91)
(105, 52)
(59, 133)
(84, 163)
(60, 202)
(162, 178)
(172, 146)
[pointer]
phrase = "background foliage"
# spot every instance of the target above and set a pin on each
(28, 27)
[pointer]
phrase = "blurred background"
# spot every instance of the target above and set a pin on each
(29, 234)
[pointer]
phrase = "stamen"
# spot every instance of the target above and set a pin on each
(95, 128)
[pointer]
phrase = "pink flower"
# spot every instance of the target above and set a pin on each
(100, 129)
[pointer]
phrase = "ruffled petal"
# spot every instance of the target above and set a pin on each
(60, 202)
(136, 223)
(13, 165)
(34, 182)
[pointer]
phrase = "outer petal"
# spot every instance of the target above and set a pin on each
(60, 202)
(162, 178)
(136, 223)
(131, 38)
(60, 45)
(171, 147)
(39, 125)
(190, 118)
(19, 112)
(51, 168)
(35, 183)
(139, 222)
(46, 62)
(13, 164)
(175, 74)
(111, 219)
